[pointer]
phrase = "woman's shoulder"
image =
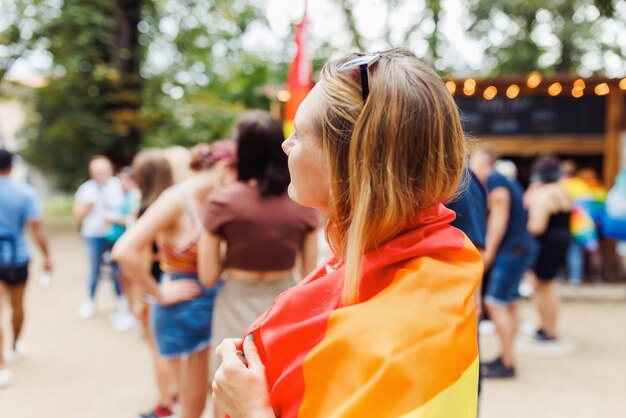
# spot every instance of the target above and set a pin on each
(233, 192)
(555, 192)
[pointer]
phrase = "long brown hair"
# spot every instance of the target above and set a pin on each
(152, 173)
(400, 152)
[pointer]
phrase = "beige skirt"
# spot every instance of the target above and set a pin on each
(238, 304)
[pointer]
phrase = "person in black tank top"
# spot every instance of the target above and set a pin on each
(549, 220)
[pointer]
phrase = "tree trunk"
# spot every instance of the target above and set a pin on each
(125, 103)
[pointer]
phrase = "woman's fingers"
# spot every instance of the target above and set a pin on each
(185, 289)
(236, 341)
(252, 355)
(230, 354)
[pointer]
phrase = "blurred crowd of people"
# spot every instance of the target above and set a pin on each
(546, 234)
(199, 243)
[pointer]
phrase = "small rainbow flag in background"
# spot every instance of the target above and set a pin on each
(588, 197)
(583, 228)
(300, 77)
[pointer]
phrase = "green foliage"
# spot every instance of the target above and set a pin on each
(75, 118)
(105, 94)
(551, 35)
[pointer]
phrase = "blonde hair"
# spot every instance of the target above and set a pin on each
(152, 173)
(400, 152)
(179, 158)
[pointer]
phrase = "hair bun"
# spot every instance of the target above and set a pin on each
(207, 155)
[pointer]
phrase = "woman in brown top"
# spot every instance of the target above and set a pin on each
(266, 233)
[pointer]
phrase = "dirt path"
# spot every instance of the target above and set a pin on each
(84, 369)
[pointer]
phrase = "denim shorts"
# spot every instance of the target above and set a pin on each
(184, 328)
(505, 276)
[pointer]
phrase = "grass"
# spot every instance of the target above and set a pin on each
(57, 213)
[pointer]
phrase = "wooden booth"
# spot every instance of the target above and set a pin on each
(569, 116)
(575, 118)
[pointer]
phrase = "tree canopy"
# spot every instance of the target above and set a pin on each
(130, 73)
(551, 35)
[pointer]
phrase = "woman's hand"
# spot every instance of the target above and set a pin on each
(240, 388)
(175, 291)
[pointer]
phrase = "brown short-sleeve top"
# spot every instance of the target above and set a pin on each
(261, 234)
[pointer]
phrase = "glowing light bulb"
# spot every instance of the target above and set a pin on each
(512, 91)
(555, 89)
(283, 96)
(490, 92)
(534, 79)
(451, 86)
(602, 89)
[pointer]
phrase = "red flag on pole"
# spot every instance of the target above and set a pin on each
(299, 79)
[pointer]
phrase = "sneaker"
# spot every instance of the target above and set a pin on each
(122, 309)
(541, 336)
(87, 309)
(497, 370)
(124, 323)
(486, 364)
(45, 278)
(159, 412)
(486, 327)
(5, 378)
(15, 356)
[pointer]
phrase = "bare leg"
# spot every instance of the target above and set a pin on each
(194, 384)
(16, 295)
(3, 291)
(505, 320)
(164, 369)
(125, 285)
(546, 298)
(595, 264)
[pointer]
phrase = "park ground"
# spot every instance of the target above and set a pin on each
(84, 369)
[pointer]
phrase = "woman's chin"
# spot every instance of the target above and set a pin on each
(292, 193)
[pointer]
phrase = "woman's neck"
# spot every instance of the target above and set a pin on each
(204, 181)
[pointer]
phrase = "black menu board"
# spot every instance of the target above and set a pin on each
(532, 115)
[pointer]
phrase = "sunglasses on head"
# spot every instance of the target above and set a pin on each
(364, 62)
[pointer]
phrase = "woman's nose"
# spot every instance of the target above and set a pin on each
(287, 144)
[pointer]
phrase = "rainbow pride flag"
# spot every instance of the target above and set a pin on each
(583, 228)
(407, 349)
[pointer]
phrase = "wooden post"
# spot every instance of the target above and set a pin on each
(612, 159)
(275, 109)
(612, 149)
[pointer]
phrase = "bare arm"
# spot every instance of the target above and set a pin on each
(497, 222)
(38, 231)
(538, 214)
(81, 209)
(309, 254)
(132, 250)
(210, 264)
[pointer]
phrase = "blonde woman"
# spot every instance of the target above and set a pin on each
(181, 317)
(387, 327)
